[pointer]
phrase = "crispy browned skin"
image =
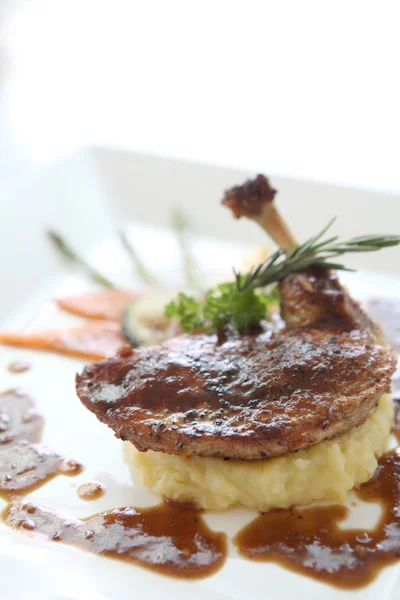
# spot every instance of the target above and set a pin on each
(250, 396)
(248, 199)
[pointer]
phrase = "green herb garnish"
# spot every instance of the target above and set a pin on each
(244, 303)
(221, 306)
(188, 311)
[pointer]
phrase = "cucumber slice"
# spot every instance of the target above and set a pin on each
(144, 323)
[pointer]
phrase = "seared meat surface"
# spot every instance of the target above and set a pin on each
(250, 396)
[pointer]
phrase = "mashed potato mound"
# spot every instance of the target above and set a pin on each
(326, 471)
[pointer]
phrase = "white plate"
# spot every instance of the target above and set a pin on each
(53, 571)
(35, 569)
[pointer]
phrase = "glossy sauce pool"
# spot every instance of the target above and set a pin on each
(165, 538)
(168, 539)
(24, 463)
(310, 541)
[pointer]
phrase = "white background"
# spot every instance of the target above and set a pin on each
(307, 89)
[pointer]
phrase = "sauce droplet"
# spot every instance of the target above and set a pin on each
(91, 491)
(19, 366)
(72, 467)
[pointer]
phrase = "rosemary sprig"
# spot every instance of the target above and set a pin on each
(315, 252)
(142, 271)
(71, 256)
(194, 279)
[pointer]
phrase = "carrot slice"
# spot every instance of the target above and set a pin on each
(108, 305)
(94, 341)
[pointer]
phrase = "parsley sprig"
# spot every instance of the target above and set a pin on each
(221, 306)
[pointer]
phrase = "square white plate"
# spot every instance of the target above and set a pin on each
(35, 569)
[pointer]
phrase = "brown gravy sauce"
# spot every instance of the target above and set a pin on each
(18, 366)
(25, 464)
(168, 539)
(91, 490)
(310, 540)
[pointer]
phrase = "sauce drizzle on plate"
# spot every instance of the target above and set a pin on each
(310, 540)
(167, 539)
(25, 464)
(19, 366)
(174, 540)
(91, 490)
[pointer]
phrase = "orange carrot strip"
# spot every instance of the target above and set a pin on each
(108, 305)
(94, 341)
